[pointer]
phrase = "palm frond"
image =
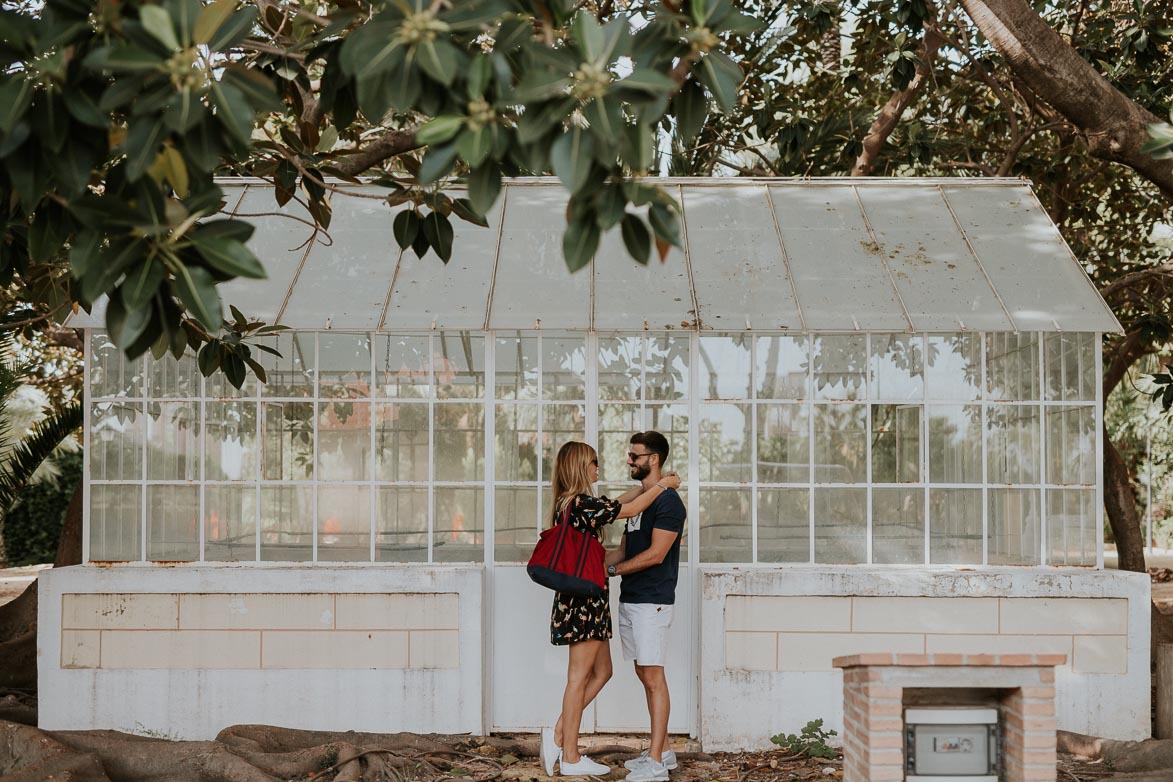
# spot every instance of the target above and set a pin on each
(22, 461)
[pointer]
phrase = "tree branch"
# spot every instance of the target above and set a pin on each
(387, 146)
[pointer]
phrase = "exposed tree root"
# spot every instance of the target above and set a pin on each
(1150, 755)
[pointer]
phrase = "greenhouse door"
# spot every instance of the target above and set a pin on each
(528, 674)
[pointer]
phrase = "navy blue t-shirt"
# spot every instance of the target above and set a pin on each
(656, 584)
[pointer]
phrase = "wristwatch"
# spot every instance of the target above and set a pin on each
(610, 570)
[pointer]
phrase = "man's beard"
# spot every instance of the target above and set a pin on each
(638, 472)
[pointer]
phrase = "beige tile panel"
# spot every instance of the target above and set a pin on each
(999, 644)
(1100, 654)
(925, 615)
(1064, 615)
(766, 613)
(256, 611)
(434, 649)
(751, 651)
(335, 649)
(194, 649)
(119, 612)
(406, 611)
(81, 648)
(814, 651)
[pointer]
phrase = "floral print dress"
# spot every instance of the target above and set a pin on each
(576, 618)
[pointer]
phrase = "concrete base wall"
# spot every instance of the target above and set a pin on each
(768, 636)
(183, 652)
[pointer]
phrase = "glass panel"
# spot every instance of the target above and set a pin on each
(726, 525)
(840, 443)
(115, 522)
(620, 362)
(287, 441)
(401, 366)
(783, 444)
(1014, 526)
(459, 365)
(173, 441)
(401, 519)
(516, 437)
(784, 525)
(725, 367)
(111, 375)
(460, 442)
(116, 450)
(1012, 366)
(841, 526)
(291, 374)
(344, 370)
(230, 453)
(898, 526)
(344, 524)
(896, 443)
(1071, 445)
(344, 441)
(839, 366)
(955, 526)
(515, 522)
(459, 529)
(168, 378)
(563, 367)
(517, 367)
(955, 443)
(617, 423)
(725, 437)
(287, 517)
(560, 424)
(173, 523)
(897, 366)
(1071, 527)
(672, 422)
(954, 367)
(1013, 443)
(401, 442)
(781, 368)
(667, 371)
(1070, 360)
(230, 523)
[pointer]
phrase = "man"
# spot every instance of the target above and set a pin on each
(648, 559)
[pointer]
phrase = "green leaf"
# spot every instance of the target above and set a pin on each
(228, 228)
(229, 256)
(440, 129)
(647, 81)
(372, 49)
(587, 34)
(123, 59)
(211, 17)
(474, 145)
(253, 85)
(197, 290)
(480, 71)
(437, 162)
(692, 109)
(157, 22)
(462, 208)
(571, 156)
(124, 324)
(208, 358)
(83, 252)
(484, 185)
(235, 30)
(406, 227)
(142, 145)
(723, 77)
(611, 205)
(665, 223)
(141, 283)
(440, 60)
(438, 231)
(637, 147)
(605, 116)
(579, 243)
(737, 23)
(16, 95)
(83, 107)
(636, 238)
(233, 111)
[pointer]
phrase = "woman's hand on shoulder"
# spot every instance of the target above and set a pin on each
(670, 480)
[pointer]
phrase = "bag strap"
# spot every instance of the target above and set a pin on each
(564, 525)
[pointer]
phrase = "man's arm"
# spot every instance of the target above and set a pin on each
(662, 541)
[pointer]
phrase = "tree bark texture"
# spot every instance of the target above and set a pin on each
(384, 147)
(1120, 504)
(1113, 126)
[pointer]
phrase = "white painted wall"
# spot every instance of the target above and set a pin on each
(743, 708)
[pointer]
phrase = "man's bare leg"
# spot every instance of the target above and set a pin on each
(659, 706)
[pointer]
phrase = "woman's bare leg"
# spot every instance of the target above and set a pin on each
(599, 676)
(578, 672)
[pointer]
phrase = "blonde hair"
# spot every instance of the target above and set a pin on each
(572, 476)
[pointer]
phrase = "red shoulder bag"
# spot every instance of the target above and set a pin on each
(568, 560)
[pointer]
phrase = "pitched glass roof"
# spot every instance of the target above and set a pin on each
(779, 254)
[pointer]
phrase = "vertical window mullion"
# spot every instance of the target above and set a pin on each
(753, 452)
(867, 397)
(924, 445)
(314, 375)
(1042, 452)
(201, 430)
(693, 476)
(1099, 434)
(260, 458)
(985, 451)
(808, 402)
(143, 471)
(432, 394)
(489, 525)
(87, 433)
(372, 494)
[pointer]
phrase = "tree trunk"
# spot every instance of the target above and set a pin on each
(1120, 504)
(1113, 126)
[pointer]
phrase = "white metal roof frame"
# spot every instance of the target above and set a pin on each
(834, 254)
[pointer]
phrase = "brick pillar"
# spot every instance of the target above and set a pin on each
(873, 725)
(1028, 732)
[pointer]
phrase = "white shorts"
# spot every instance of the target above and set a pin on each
(643, 631)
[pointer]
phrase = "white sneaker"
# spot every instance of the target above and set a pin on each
(649, 771)
(583, 768)
(549, 751)
(667, 757)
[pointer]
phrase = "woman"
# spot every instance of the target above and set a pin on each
(584, 623)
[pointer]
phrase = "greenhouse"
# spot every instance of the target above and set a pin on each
(883, 397)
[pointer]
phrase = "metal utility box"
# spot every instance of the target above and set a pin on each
(951, 744)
